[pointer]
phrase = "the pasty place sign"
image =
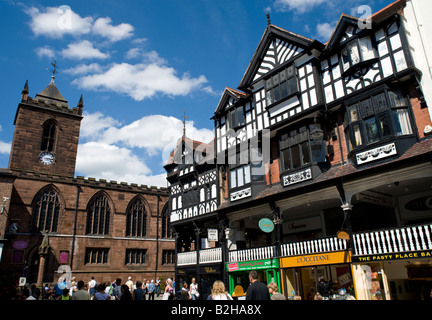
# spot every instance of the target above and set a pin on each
(393, 256)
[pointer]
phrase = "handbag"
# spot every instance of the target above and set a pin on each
(165, 296)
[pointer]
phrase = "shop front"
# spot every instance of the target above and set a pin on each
(301, 275)
(205, 277)
(394, 276)
(238, 273)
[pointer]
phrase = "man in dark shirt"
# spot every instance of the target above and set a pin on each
(257, 290)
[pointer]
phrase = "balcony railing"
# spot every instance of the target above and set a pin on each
(252, 254)
(415, 238)
(313, 246)
(206, 256)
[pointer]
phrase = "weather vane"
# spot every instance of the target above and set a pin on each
(54, 69)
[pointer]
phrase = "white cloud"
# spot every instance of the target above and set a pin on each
(84, 69)
(45, 51)
(104, 28)
(83, 50)
(301, 6)
(133, 53)
(56, 22)
(141, 81)
(5, 147)
(99, 160)
(325, 30)
(110, 148)
(94, 124)
(155, 134)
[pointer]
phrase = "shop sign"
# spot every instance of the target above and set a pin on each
(394, 256)
(316, 259)
(212, 234)
(20, 244)
(420, 204)
(214, 269)
(266, 225)
(252, 265)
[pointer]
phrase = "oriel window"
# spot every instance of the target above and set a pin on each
(372, 119)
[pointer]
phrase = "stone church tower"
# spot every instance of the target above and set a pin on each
(46, 133)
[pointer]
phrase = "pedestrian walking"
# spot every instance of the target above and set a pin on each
(324, 288)
(184, 292)
(151, 290)
(157, 285)
(274, 292)
(81, 293)
(92, 287)
(219, 292)
(101, 293)
(117, 293)
(129, 283)
(65, 295)
(138, 293)
(257, 290)
(169, 290)
(126, 294)
(194, 289)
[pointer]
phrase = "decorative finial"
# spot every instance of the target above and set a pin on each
(268, 18)
(80, 102)
(80, 105)
(184, 124)
(25, 92)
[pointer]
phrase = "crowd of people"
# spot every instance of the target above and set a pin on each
(92, 290)
(144, 290)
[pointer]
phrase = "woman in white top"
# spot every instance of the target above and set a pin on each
(194, 290)
(218, 292)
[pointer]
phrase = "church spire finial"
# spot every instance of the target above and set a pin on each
(268, 18)
(53, 70)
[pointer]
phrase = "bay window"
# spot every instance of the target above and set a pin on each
(377, 117)
(298, 148)
(357, 51)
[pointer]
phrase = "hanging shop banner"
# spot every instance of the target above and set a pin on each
(316, 259)
(266, 225)
(252, 265)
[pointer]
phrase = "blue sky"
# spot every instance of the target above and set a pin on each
(140, 65)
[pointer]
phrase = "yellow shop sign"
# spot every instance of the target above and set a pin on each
(316, 259)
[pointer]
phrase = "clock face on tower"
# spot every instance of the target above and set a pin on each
(46, 158)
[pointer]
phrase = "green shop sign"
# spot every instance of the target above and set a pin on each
(252, 265)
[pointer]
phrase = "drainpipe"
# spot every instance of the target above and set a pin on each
(157, 237)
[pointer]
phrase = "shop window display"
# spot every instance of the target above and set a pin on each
(304, 282)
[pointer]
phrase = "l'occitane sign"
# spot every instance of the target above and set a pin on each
(316, 259)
